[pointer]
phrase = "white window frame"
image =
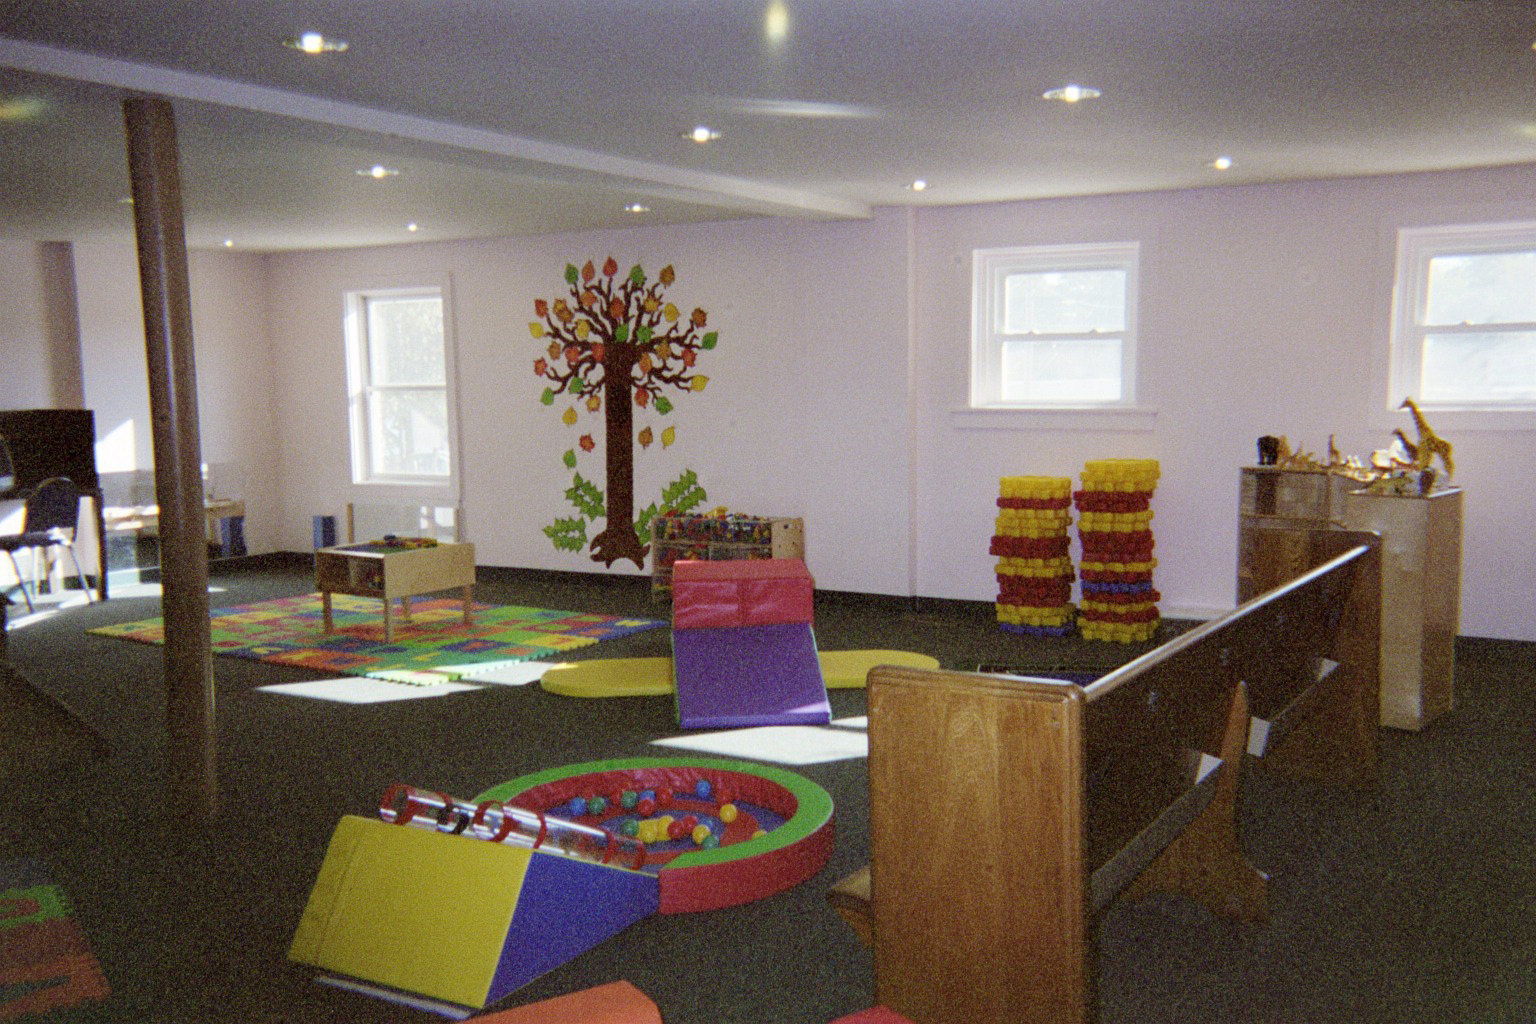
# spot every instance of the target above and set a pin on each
(990, 271)
(442, 488)
(1416, 247)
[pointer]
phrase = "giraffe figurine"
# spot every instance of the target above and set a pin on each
(1430, 444)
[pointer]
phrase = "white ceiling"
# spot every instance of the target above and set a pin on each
(511, 117)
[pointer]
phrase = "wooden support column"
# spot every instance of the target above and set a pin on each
(156, 181)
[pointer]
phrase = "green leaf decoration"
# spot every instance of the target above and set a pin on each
(548, 397)
(643, 335)
(709, 340)
(571, 274)
(586, 498)
(567, 534)
(643, 523)
(683, 494)
(663, 404)
(569, 458)
(621, 334)
(636, 275)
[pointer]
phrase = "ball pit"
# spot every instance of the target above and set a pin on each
(764, 829)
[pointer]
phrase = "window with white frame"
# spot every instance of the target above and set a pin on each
(398, 373)
(1054, 326)
(1464, 322)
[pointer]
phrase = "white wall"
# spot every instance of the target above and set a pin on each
(39, 350)
(804, 413)
(1264, 309)
(842, 363)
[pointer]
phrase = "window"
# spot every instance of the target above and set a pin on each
(397, 374)
(1054, 326)
(1464, 323)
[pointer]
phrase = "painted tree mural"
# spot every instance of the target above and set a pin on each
(616, 344)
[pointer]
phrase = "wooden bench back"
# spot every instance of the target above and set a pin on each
(1006, 812)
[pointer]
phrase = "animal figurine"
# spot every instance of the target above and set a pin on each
(1430, 445)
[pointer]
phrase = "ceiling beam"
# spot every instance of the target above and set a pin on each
(711, 189)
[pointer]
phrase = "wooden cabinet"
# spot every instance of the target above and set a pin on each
(1420, 599)
(1292, 498)
(719, 538)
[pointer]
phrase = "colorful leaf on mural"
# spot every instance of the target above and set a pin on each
(700, 318)
(663, 404)
(620, 333)
(636, 276)
(535, 328)
(586, 442)
(569, 458)
(642, 398)
(684, 493)
(594, 402)
(585, 497)
(540, 367)
(668, 436)
(569, 417)
(567, 534)
(670, 312)
(643, 522)
(570, 273)
(708, 341)
(645, 437)
(667, 276)
(540, 308)
(610, 267)
(698, 383)
(548, 397)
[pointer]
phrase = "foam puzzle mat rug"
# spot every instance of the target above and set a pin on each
(289, 631)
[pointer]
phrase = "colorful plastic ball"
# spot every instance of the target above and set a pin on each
(710, 841)
(597, 805)
(690, 821)
(728, 813)
(647, 794)
(645, 807)
(628, 799)
(702, 788)
(577, 807)
(629, 827)
(700, 833)
(676, 830)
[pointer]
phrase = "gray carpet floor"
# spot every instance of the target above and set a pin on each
(1414, 901)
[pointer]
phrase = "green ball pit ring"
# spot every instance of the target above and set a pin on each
(726, 876)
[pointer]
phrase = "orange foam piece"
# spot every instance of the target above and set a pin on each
(878, 1015)
(617, 1002)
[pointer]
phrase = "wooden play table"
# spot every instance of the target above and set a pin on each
(387, 572)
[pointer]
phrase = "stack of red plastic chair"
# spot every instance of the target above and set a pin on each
(1114, 525)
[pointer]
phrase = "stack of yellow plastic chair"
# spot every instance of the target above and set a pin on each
(1034, 568)
(1114, 526)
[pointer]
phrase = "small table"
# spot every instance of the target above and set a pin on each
(387, 572)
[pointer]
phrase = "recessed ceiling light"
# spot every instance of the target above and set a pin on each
(637, 208)
(229, 243)
(1222, 163)
(701, 134)
(377, 171)
(776, 22)
(918, 185)
(413, 227)
(21, 108)
(314, 42)
(1071, 93)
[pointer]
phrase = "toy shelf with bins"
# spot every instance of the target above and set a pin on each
(720, 538)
